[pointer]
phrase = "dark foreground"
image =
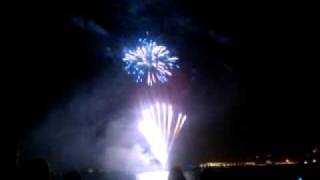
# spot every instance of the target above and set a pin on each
(39, 170)
(260, 173)
(236, 173)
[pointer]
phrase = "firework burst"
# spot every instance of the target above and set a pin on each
(149, 62)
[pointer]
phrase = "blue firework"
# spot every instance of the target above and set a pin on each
(149, 62)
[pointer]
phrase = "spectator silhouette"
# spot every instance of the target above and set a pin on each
(72, 175)
(176, 174)
(37, 169)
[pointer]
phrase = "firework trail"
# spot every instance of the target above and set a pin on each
(160, 127)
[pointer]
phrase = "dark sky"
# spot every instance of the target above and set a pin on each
(248, 77)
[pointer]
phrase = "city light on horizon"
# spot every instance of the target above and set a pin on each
(248, 163)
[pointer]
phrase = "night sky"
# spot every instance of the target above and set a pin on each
(248, 77)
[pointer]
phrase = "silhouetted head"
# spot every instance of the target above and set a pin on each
(176, 174)
(72, 175)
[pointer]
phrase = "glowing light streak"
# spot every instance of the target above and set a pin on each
(160, 127)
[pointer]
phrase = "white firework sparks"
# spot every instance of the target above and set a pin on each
(160, 127)
(153, 175)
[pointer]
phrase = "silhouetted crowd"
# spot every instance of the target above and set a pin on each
(38, 169)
